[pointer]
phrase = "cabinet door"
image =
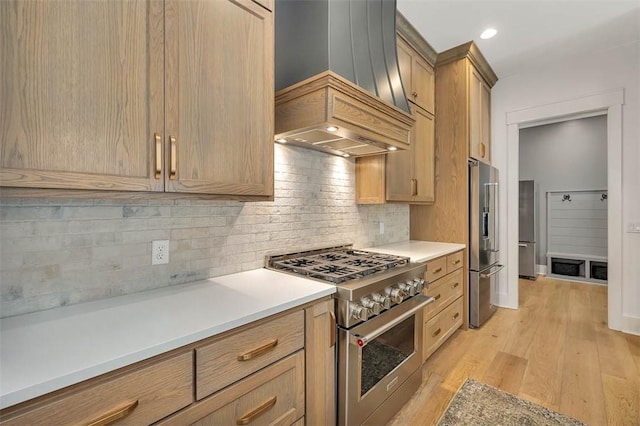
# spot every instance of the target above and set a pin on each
(485, 120)
(320, 346)
(423, 83)
(399, 177)
(82, 94)
(417, 76)
(479, 116)
(410, 174)
(405, 59)
(423, 147)
(220, 97)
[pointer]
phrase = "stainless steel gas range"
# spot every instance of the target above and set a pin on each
(379, 305)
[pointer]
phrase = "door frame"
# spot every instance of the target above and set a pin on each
(606, 103)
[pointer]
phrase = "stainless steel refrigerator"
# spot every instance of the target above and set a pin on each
(483, 241)
(527, 230)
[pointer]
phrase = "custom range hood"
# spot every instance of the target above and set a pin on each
(338, 86)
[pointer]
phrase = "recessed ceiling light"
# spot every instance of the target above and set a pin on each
(392, 148)
(488, 33)
(346, 155)
(332, 129)
(281, 140)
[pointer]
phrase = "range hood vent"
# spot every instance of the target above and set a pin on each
(338, 86)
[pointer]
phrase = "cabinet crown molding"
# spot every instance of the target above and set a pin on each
(470, 51)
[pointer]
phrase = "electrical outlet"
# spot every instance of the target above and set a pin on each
(381, 228)
(159, 252)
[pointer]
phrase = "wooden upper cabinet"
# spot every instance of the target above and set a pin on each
(220, 97)
(479, 117)
(138, 96)
(81, 94)
(417, 76)
(410, 174)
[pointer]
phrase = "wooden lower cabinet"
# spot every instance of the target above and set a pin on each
(138, 397)
(442, 318)
(278, 370)
(274, 395)
(438, 329)
(229, 359)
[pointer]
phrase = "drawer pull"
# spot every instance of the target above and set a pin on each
(435, 333)
(455, 316)
(115, 414)
(258, 351)
(437, 270)
(454, 285)
(436, 297)
(456, 262)
(257, 412)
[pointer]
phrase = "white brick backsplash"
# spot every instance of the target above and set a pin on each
(63, 251)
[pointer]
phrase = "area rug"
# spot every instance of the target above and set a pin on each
(480, 404)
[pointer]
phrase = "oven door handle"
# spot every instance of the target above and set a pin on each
(362, 340)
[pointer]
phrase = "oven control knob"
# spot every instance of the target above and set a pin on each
(395, 294)
(382, 300)
(374, 307)
(408, 288)
(359, 312)
(418, 283)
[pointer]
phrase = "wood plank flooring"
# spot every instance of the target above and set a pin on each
(556, 351)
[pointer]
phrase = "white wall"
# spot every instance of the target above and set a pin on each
(566, 156)
(567, 80)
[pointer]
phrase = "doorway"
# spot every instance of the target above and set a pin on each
(609, 104)
(563, 173)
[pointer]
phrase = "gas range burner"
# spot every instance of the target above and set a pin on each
(336, 264)
(300, 262)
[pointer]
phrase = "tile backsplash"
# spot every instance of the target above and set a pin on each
(58, 252)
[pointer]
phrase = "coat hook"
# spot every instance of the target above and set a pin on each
(603, 196)
(566, 197)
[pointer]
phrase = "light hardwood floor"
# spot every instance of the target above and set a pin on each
(556, 351)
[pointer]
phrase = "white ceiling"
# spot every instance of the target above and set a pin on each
(530, 33)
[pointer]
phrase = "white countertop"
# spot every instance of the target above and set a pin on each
(418, 251)
(48, 350)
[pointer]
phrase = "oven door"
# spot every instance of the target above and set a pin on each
(377, 357)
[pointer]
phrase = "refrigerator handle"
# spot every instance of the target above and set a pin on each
(491, 204)
(500, 268)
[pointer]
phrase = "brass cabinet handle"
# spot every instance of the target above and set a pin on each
(258, 351)
(482, 149)
(174, 162)
(454, 285)
(436, 297)
(158, 155)
(414, 94)
(332, 330)
(456, 262)
(455, 316)
(435, 333)
(437, 270)
(414, 187)
(117, 413)
(257, 412)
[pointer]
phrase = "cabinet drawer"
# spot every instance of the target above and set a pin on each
(231, 358)
(445, 290)
(436, 268)
(159, 390)
(274, 395)
(454, 261)
(438, 329)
